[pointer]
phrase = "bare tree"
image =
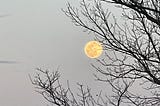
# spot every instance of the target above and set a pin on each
(132, 48)
(49, 86)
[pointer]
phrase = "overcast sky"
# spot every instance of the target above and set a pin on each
(36, 33)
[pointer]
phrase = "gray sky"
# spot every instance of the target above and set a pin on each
(36, 33)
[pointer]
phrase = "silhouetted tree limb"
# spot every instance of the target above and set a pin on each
(48, 85)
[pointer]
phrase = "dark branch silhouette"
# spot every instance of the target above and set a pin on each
(48, 85)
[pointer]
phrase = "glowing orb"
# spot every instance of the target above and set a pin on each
(93, 49)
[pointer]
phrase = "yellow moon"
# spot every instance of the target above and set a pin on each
(93, 49)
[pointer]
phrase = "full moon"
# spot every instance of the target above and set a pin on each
(93, 49)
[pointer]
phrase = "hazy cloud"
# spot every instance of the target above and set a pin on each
(7, 62)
